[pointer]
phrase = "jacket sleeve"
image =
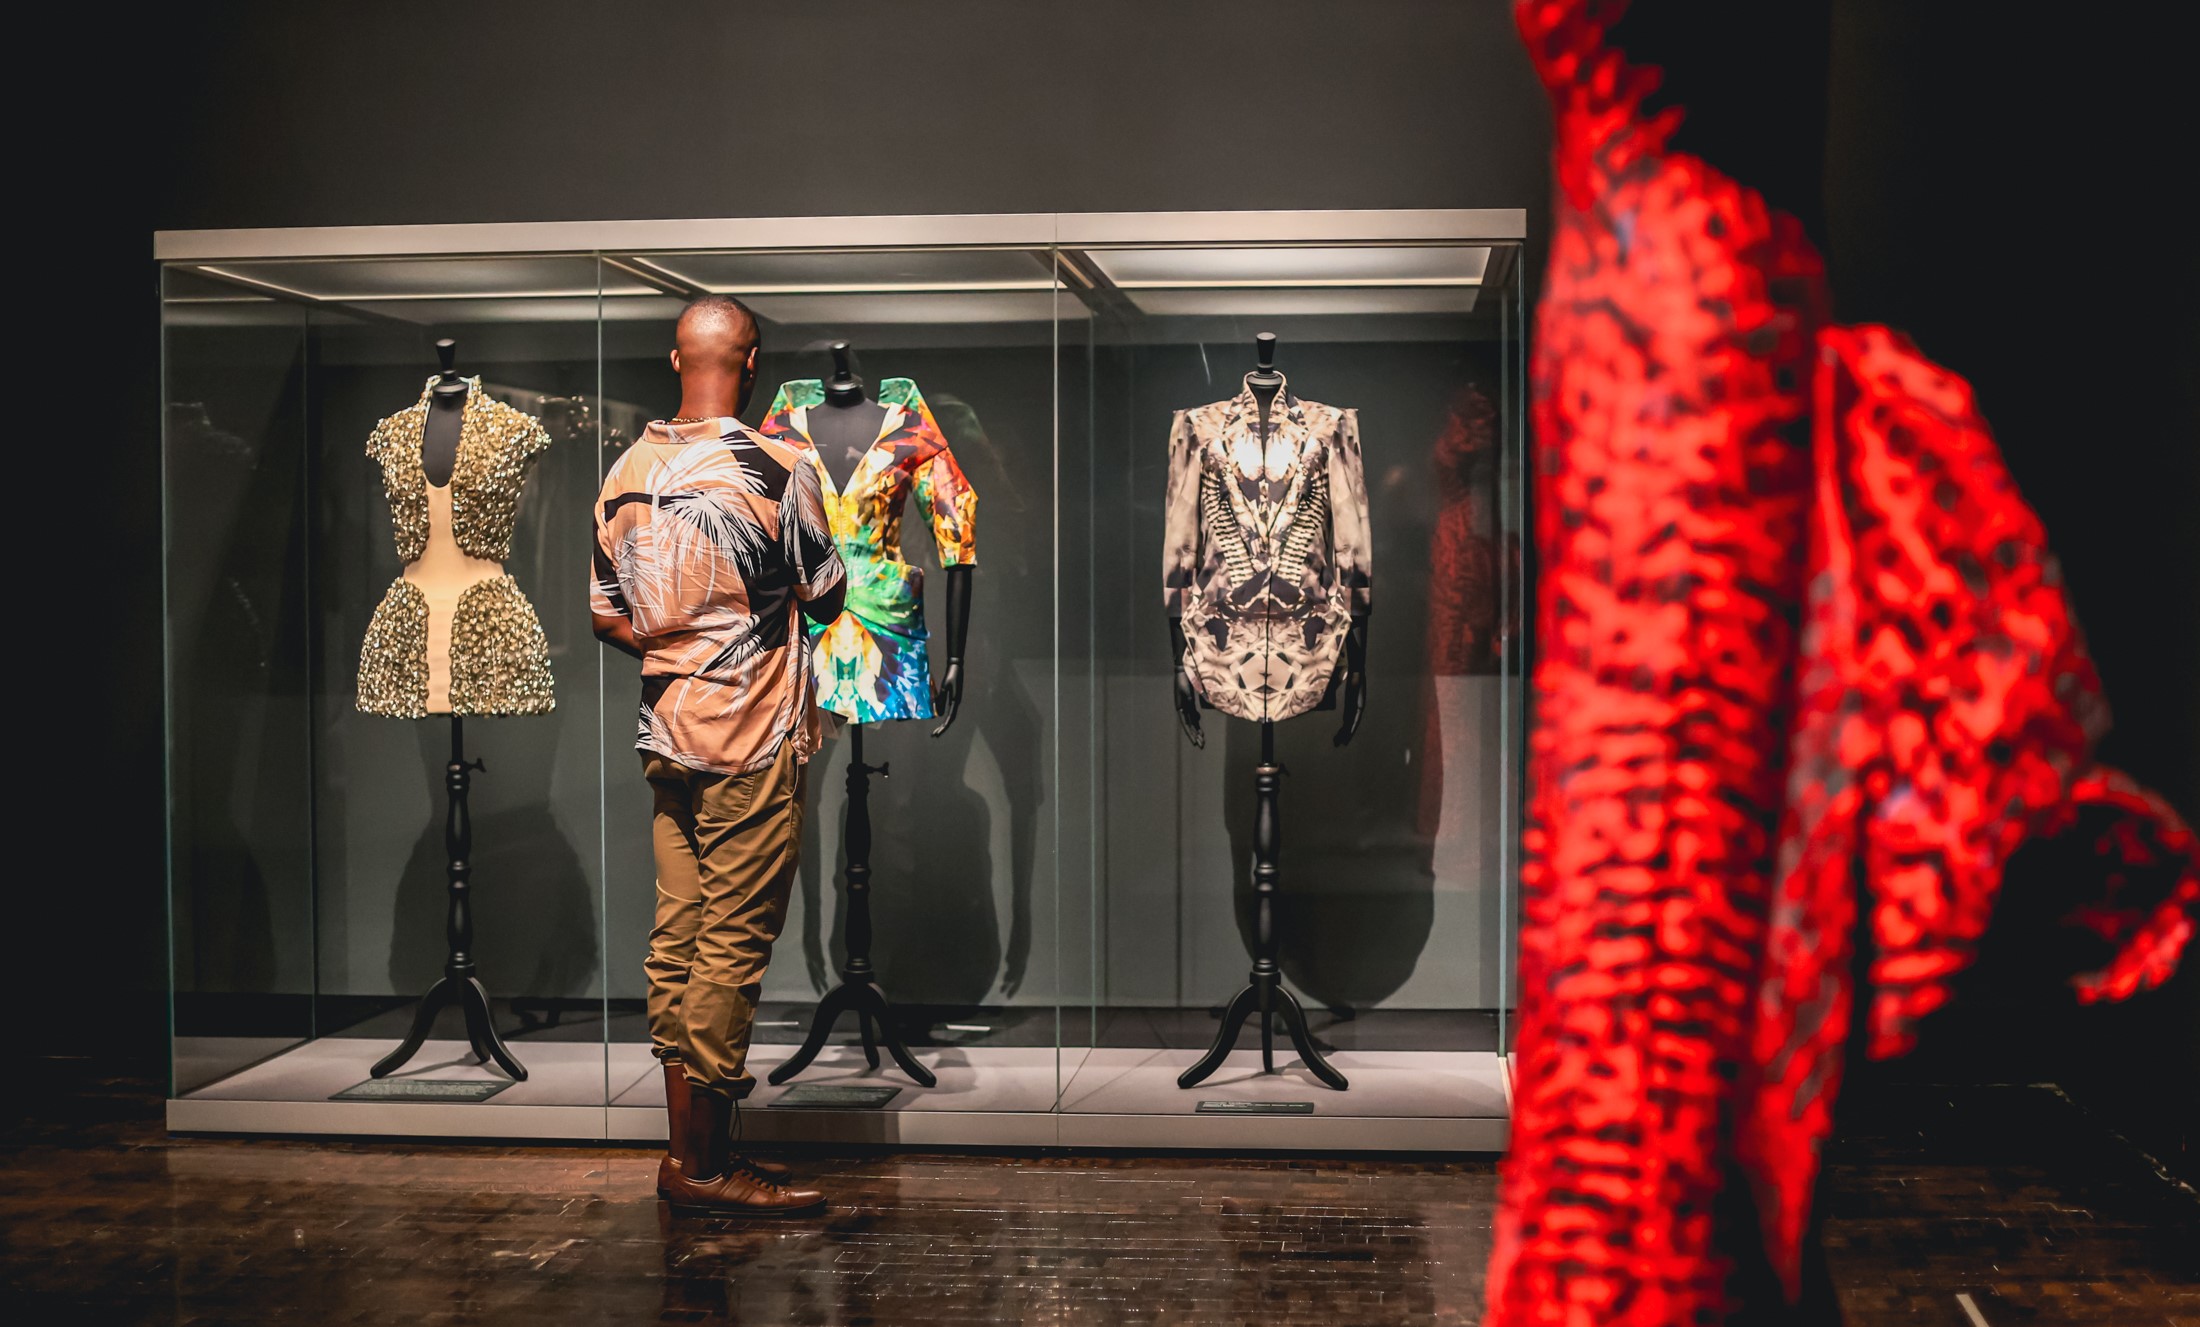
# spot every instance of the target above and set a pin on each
(1351, 546)
(1181, 530)
(945, 498)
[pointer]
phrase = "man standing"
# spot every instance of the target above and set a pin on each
(710, 541)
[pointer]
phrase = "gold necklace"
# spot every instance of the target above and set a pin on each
(685, 419)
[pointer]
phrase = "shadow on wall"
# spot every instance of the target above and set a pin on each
(1004, 751)
(534, 912)
(1356, 903)
(932, 874)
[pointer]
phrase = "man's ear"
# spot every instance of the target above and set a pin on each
(676, 359)
(751, 359)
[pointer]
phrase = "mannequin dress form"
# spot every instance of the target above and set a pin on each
(865, 444)
(1264, 994)
(444, 571)
(454, 636)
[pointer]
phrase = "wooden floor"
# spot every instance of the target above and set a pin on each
(2008, 1196)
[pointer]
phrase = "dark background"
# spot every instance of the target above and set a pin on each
(2005, 192)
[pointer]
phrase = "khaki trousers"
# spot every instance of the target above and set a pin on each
(726, 848)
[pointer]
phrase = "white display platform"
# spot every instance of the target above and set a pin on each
(987, 1096)
(1405, 1101)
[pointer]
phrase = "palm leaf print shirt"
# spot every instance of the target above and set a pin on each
(708, 536)
(1267, 557)
(871, 663)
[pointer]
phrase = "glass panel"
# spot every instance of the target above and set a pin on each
(1062, 896)
(239, 671)
(1391, 916)
(1516, 546)
(963, 846)
(1514, 619)
(311, 877)
(1077, 694)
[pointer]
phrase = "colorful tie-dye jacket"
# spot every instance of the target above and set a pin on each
(871, 663)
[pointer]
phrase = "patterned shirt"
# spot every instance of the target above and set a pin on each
(707, 537)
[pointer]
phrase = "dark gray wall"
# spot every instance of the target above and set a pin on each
(289, 115)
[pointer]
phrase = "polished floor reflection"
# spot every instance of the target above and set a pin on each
(2006, 1196)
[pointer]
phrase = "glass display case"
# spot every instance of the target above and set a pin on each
(1065, 894)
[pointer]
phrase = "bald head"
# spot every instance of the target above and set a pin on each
(715, 332)
(714, 352)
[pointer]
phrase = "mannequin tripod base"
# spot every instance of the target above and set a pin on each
(1266, 996)
(867, 1002)
(470, 996)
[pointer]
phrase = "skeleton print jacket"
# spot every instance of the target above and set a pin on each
(1267, 556)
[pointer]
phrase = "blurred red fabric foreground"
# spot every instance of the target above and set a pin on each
(1806, 677)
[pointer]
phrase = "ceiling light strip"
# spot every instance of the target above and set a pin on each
(654, 275)
(651, 292)
(1304, 283)
(256, 283)
(886, 287)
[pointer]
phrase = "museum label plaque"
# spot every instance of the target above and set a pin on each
(423, 1089)
(1256, 1108)
(830, 1096)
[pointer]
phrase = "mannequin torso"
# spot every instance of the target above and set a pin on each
(439, 433)
(1264, 396)
(1264, 382)
(846, 425)
(843, 434)
(443, 571)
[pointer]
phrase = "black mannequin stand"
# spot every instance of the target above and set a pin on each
(858, 991)
(458, 985)
(1264, 992)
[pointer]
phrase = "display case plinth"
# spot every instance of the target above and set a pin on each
(988, 1096)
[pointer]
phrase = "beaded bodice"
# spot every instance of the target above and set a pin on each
(496, 444)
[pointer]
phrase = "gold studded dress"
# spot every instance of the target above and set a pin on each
(497, 660)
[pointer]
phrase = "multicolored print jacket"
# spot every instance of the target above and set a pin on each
(871, 663)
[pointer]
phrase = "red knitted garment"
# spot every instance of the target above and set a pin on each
(1800, 643)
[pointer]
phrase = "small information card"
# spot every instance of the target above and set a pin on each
(423, 1089)
(834, 1096)
(1256, 1108)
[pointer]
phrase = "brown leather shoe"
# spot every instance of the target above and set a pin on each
(705, 1177)
(676, 1108)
